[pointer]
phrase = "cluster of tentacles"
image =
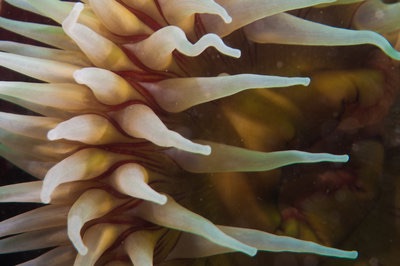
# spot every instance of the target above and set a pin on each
(112, 77)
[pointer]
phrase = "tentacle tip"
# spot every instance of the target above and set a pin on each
(338, 158)
(347, 254)
(251, 251)
(236, 53)
(46, 192)
(162, 200)
(227, 19)
(343, 158)
(72, 18)
(77, 75)
(206, 150)
(306, 82)
(79, 6)
(74, 228)
(45, 198)
(83, 251)
(52, 135)
(353, 254)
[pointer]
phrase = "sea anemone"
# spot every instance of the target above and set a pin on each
(138, 123)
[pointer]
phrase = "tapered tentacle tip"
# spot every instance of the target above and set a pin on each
(328, 157)
(193, 147)
(45, 196)
(74, 228)
(132, 179)
(235, 53)
(204, 149)
(251, 252)
(161, 199)
(344, 254)
(48, 187)
(78, 76)
(52, 135)
(352, 254)
(306, 81)
(341, 158)
(227, 19)
(79, 6)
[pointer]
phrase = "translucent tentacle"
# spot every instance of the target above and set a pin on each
(84, 164)
(34, 240)
(23, 4)
(43, 69)
(140, 247)
(117, 18)
(108, 87)
(131, 179)
(258, 239)
(56, 10)
(174, 216)
(179, 94)
(27, 125)
(63, 96)
(51, 35)
(140, 121)
(288, 29)
(156, 51)
(40, 149)
(340, 2)
(59, 11)
(37, 219)
(60, 256)
(98, 239)
(244, 13)
(91, 205)
(148, 7)
(226, 158)
(89, 129)
(21, 192)
(181, 12)
(28, 163)
(101, 51)
(69, 57)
